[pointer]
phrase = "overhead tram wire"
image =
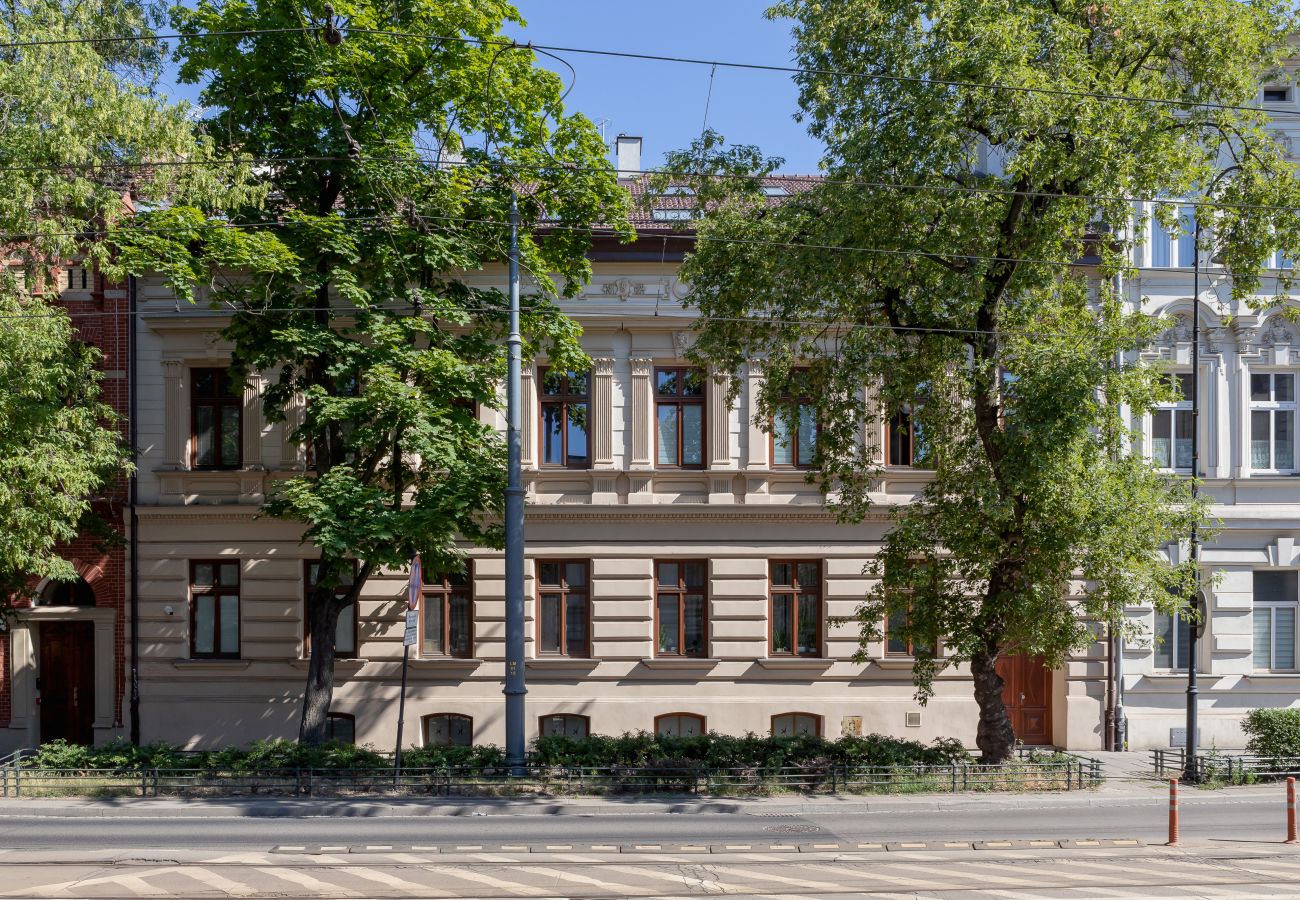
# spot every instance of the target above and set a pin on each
(666, 173)
(685, 60)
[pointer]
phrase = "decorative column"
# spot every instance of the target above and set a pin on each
(602, 413)
(721, 486)
(528, 418)
(253, 423)
(175, 415)
(293, 455)
(640, 488)
(756, 488)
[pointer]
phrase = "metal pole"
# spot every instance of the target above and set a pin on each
(515, 688)
(401, 711)
(1189, 771)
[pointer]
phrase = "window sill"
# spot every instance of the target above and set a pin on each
(211, 663)
(562, 663)
(446, 662)
(1273, 676)
(680, 662)
(348, 664)
(895, 662)
(805, 663)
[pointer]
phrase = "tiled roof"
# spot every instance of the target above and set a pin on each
(670, 210)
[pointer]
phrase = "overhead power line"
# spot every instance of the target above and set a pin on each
(687, 60)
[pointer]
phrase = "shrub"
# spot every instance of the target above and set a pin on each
(1273, 733)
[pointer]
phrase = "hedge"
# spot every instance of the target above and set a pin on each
(640, 749)
(1273, 733)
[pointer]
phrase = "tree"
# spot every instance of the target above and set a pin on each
(346, 285)
(971, 151)
(77, 118)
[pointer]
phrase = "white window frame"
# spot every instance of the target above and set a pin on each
(1270, 606)
(1171, 410)
(1180, 632)
(1158, 240)
(1271, 407)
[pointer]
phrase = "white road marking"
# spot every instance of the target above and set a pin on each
(561, 875)
(214, 880)
(302, 879)
(138, 886)
(513, 887)
(366, 873)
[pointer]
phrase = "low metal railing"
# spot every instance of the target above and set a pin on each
(1230, 766)
(1068, 773)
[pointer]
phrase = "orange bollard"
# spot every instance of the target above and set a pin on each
(1173, 813)
(1290, 811)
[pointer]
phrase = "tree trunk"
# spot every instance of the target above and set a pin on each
(324, 611)
(995, 737)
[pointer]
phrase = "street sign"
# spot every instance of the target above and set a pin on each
(412, 634)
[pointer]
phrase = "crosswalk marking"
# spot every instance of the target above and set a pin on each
(302, 879)
(694, 882)
(137, 885)
(214, 880)
(367, 874)
(911, 879)
(779, 879)
(501, 884)
(561, 875)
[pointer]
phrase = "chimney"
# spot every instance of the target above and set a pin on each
(627, 155)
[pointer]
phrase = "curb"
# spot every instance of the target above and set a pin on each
(760, 847)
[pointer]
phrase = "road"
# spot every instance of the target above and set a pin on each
(602, 850)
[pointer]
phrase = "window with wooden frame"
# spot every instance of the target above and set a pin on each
(341, 727)
(793, 433)
(795, 609)
(680, 725)
(216, 420)
(214, 609)
(448, 730)
(565, 413)
(567, 725)
(345, 630)
(796, 724)
(447, 618)
(681, 608)
(564, 607)
(904, 440)
(897, 644)
(679, 417)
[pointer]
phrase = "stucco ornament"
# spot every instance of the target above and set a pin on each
(623, 288)
(1276, 332)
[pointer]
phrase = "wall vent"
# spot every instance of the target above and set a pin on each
(914, 720)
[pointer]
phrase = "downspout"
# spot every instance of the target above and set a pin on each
(1116, 728)
(133, 497)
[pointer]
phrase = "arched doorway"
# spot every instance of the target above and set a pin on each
(65, 680)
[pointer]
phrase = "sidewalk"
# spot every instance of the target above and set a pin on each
(1118, 794)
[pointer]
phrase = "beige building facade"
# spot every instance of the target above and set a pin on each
(681, 573)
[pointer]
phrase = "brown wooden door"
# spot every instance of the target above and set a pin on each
(1027, 692)
(67, 681)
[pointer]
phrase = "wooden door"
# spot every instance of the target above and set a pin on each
(67, 681)
(1027, 692)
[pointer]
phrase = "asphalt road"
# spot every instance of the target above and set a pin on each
(1222, 817)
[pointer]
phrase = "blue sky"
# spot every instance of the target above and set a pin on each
(665, 102)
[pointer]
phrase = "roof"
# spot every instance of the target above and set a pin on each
(670, 209)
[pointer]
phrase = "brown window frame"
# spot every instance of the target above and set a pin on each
(218, 403)
(681, 590)
(307, 586)
(703, 720)
(563, 589)
(346, 717)
(795, 589)
(901, 426)
(440, 590)
(679, 401)
(818, 720)
(424, 728)
(216, 591)
(799, 402)
(541, 724)
(562, 399)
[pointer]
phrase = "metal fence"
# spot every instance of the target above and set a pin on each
(1061, 773)
(1230, 766)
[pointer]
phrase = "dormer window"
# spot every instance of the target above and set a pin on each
(672, 215)
(775, 190)
(677, 190)
(1277, 94)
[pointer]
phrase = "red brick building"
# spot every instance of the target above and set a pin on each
(63, 662)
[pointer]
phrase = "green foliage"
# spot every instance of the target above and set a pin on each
(259, 756)
(484, 756)
(1273, 733)
(350, 295)
(959, 304)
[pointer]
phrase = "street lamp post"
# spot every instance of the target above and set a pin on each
(515, 688)
(1190, 773)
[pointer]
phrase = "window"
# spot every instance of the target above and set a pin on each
(677, 190)
(1172, 644)
(794, 433)
(1177, 247)
(896, 643)
(564, 608)
(681, 608)
(905, 446)
(448, 730)
(341, 727)
(78, 279)
(679, 418)
(796, 608)
(679, 725)
(216, 415)
(214, 610)
(1272, 421)
(345, 630)
(775, 190)
(672, 215)
(1277, 94)
(1279, 260)
(1171, 428)
(67, 593)
(794, 724)
(448, 616)
(564, 725)
(565, 407)
(1275, 620)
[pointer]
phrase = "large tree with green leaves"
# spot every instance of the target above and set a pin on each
(78, 118)
(971, 151)
(390, 139)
